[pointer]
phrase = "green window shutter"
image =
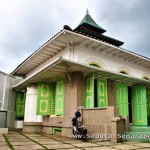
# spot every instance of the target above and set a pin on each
(102, 93)
(148, 102)
(89, 92)
(122, 99)
(140, 105)
(20, 104)
(53, 105)
(44, 98)
(59, 106)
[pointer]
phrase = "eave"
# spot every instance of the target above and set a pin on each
(41, 55)
(58, 69)
(65, 38)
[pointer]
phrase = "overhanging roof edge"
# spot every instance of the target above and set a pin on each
(106, 71)
(89, 38)
(52, 64)
(58, 61)
(37, 51)
(119, 48)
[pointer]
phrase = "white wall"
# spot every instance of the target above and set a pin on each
(68, 53)
(83, 55)
(30, 106)
(110, 63)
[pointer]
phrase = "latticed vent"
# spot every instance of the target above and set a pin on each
(53, 97)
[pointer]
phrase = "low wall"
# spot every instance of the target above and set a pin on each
(104, 123)
(3, 130)
(32, 127)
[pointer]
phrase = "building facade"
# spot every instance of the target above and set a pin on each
(83, 67)
(7, 101)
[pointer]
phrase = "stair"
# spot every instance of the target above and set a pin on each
(138, 134)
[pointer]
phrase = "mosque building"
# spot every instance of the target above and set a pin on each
(83, 67)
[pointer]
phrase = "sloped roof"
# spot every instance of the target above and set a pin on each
(88, 31)
(53, 46)
(90, 28)
(60, 41)
(88, 21)
(85, 31)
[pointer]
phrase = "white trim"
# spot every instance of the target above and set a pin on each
(4, 92)
(145, 76)
(125, 69)
(96, 61)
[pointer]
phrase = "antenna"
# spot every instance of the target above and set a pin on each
(87, 11)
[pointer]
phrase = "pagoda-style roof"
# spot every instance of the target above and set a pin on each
(90, 28)
(88, 22)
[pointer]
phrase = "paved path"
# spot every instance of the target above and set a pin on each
(15, 140)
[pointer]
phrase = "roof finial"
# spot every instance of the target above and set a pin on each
(87, 11)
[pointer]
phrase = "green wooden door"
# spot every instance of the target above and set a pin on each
(140, 106)
(89, 92)
(122, 99)
(20, 104)
(101, 93)
(148, 102)
(44, 98)
(59, 110)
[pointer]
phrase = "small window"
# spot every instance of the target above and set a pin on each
(123, 72)
(146, 78)
(95, 65)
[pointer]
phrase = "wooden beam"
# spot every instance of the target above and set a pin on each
(98, 47)
(49, 52)
(128, 57)
(92, 44)
(109, 50)
(54, 47)
(121, 54)
(83, 41)
(61, 44)
(88, 44)
(136, 60)
(103, 49)
(45, 55)
(115, 53)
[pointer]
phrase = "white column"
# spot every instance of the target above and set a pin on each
(30, 106)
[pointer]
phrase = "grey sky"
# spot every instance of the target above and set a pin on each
(26, 24)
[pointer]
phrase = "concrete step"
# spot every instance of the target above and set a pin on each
(3, 130)
(139, 128)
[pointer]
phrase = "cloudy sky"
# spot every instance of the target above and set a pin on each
(26, 24)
